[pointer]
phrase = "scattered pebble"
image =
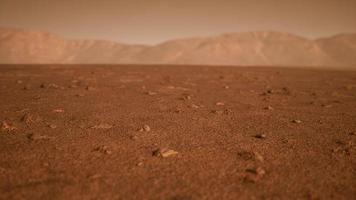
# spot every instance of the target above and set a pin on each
(258, 157)
(58, 110)
(72, 86)
(95, 176)
(52, 126)
(146, 128)
(27, 87)
(30, 118)
(133, 137)
(327, 105)
(227, 111)
(39, 137)
(79, 95)
(52, 85)
(55, 86)
(248, 155)
(220, 104)
(164, 152)
(269, 108)
(260, 136)
(296, 121)
(245, 155)
(268, 92)
(219, 112)
(254, 175)
(185, 97)
(102, 126)
(139, 164)
(89, 88)
(178, 111)
(103, 149)
(259, 171)
(150, 93)
(7, 126)
(194, 106)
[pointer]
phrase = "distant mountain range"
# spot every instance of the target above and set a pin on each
(263, 48)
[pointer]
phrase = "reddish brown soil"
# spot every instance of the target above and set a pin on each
(73, 132)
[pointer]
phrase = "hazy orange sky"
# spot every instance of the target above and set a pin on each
(154, 21)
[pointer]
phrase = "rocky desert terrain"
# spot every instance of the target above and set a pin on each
(176, 132)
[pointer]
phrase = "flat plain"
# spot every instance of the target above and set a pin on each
(176, 132)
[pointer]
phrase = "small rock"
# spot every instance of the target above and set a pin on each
(185, 97)
(270, 91)
(250, 178)
(52, 126)
(27, 87)
(219, 104)
(39, 137)
(227, 111)
(327, 105)
(254, 175)
(79, 95)
(178, 111)
(194, 106)
(150, 93)
(245, 155)
(296, 121)
(269, 108)
(139, 164)
(30, 118)
(226, 87)
(258, 157)
(19, 82)
(164, 153)
(188, 97)
(72, 86)
(146, 128)
(52, 85)
(352, 133)
(89, 88)
(259, 171)
(133, 137)
(260, 136)
(95, 176)
(7, 126)
(103, 149)
(58, 110)
(102, 126)
(219, 112)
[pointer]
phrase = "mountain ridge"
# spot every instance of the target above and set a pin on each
(264, 48)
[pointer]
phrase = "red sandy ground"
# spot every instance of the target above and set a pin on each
(73, 132)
